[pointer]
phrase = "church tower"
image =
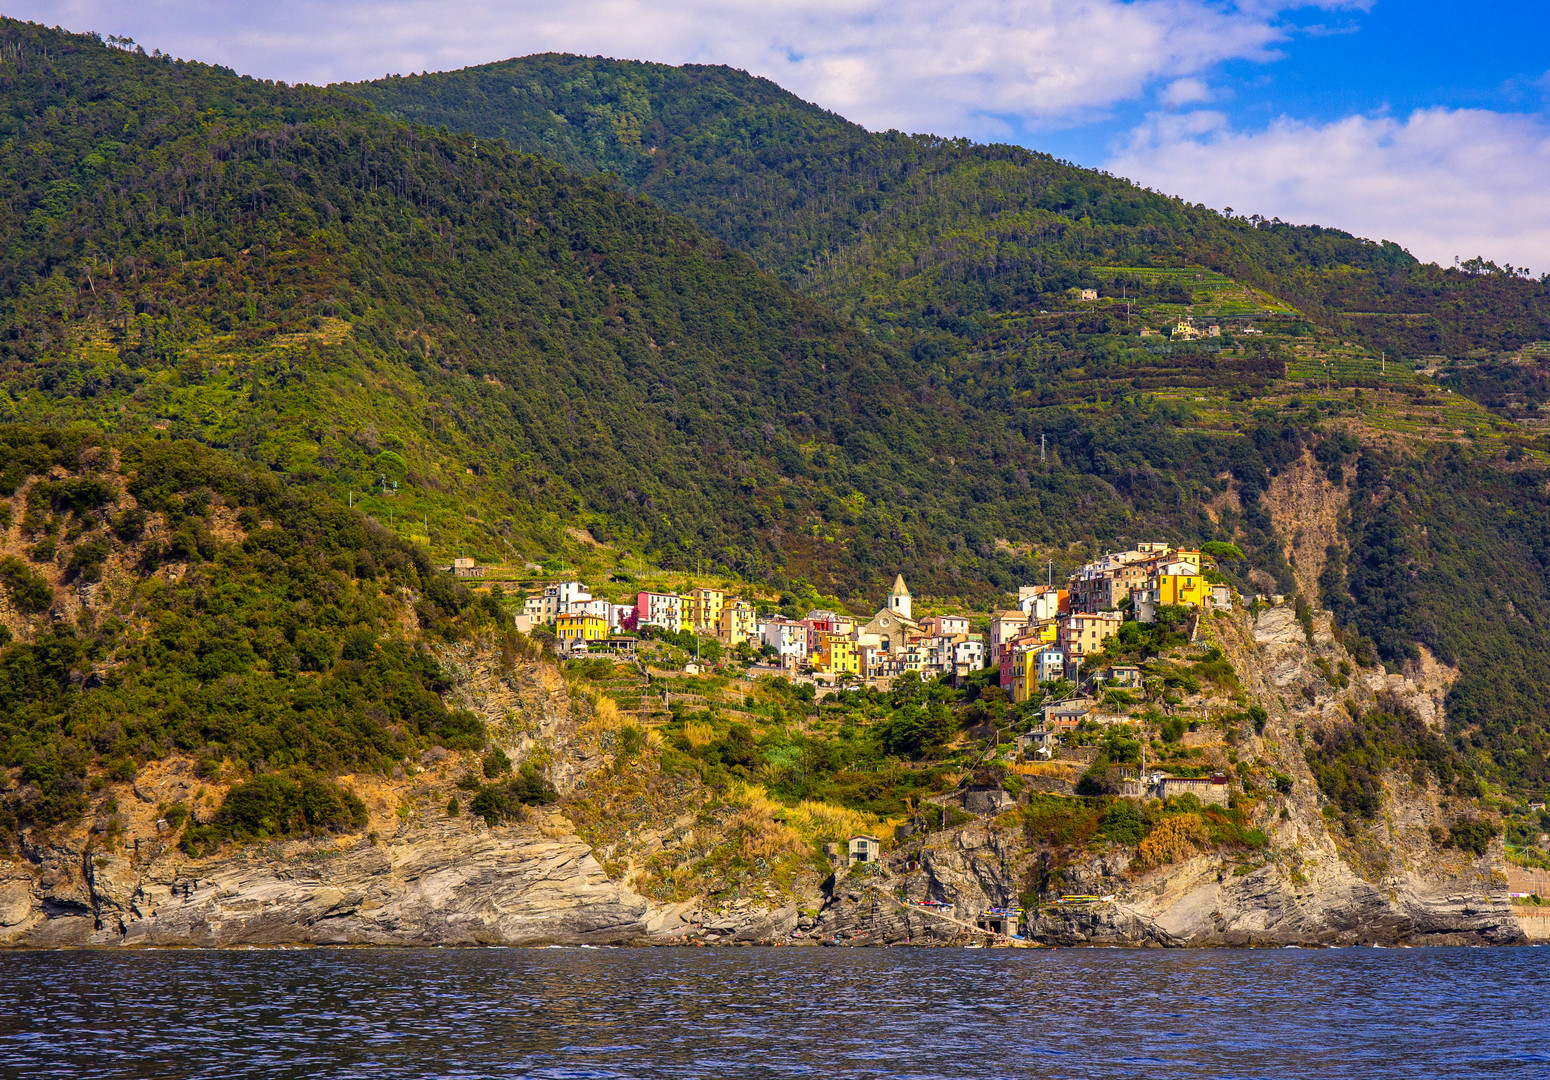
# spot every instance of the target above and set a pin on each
(899, 599)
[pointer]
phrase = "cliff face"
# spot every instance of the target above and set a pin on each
(633, 854)
(450, 884)
(1316, 881)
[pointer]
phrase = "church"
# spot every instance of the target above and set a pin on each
(890, 628)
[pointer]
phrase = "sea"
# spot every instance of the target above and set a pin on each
(910, 1013)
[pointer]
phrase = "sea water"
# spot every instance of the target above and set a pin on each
(834, 1013)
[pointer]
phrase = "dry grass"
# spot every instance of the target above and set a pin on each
(699, 733)
(1047, 768)
(1174, 838)
(760, 837)
(813, 821)
(605, 717)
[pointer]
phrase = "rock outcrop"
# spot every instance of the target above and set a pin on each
(1315, 882)
(452, 883)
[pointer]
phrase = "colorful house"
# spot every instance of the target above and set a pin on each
(580, 626)
(836, 655)
(659, 609)
(1187, 589)
(1083, 633)
(1032, 666)
(705, 610)
(788, 638)
(737, 623)
(945, 625)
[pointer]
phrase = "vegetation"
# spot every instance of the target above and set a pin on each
(232, 313)
(257, 624)
(1450, 554)
(277, 806)
(962, 256)
(941, 235)
(507, 801)
(1349, 760)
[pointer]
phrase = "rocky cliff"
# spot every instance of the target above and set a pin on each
(634, 854)
(1319, 879)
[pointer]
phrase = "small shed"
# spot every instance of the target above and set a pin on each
(1122, 675)
(1089, 294)
(1208, 789)
(865, 848)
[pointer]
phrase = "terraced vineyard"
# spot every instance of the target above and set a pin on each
(1214, 295)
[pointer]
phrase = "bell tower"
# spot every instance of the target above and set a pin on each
(899, 599)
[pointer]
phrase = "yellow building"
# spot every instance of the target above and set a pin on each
(1180, 562)
(580, 628)
(1043, 632)
(836, 655)
(705, 609)
(737, 624)
(1180, 589)
(1025, 677)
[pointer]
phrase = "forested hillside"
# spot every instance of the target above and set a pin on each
(170, 599)
(449, 328)
(486, 350)
(924, 231)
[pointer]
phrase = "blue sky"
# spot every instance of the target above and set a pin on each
(1421, 122)
(1394, 58)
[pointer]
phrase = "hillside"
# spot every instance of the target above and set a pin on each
(917, 230)
(965, 257)
(487, 353)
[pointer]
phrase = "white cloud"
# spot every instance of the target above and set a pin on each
(1441, 182)
(1184, 92)
(966, 67)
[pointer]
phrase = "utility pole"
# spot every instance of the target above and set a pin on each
(1041, 448)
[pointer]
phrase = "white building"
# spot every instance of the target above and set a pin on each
(619, 614)
(1040, 602)
(970, 651)
(1049, 664)
(899, 598)
(865, 848)
(558, 598)
(787, 637)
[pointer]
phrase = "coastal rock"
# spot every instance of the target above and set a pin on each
(451, 884)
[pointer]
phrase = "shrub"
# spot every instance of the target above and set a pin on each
(1122, 824)
(496, 763)
(1471, 834)
(1348, 761)
(1174, 838)
(632, 740)
(1060, 822)
(508, 802)
(30, 592)
(87, 557)
(274, 805)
